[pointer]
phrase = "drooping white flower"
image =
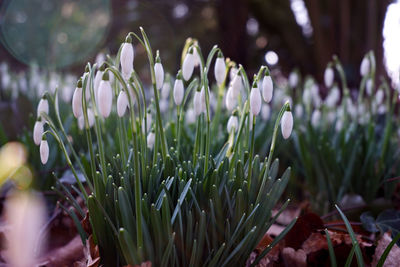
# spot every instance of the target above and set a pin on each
(369, 86)
(178, 90)
(159, 72)
(196, 58)
(315, 118)
(267, 88)
(220, 69)
(333, 97)
(255, 100)
(379, 96)
(236, 84)
(81, 120)
(188, 65)
(164, 104)
(122, 103)
(232, 124)
(105, 97)
(151, 137)
(44, 151)
(203, 99)
(298, 110)
(287, 124)
(307, 97)
(293, 79)
(166, 88)
(197, 103)
(265, 112)
(38, 130)
(328, 77)
(365, 66)
(97, 80)
(230, 100)
(43, 106)
(190, 116)
(77, 101)
(127, 56)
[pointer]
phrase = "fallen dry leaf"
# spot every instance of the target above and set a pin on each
(394, 254)
(65, 255)
(294, 258)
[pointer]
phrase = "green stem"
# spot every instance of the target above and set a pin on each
(251, 152)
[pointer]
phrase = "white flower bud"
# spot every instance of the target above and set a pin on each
(315, 118)
(127, 56)
(159, 73)
(298, 110)
(293, 79)
(232, 124)
(105, 98)
(81, 120)
(188, 66)
(164, 104)
(365, 66)
(44, 151)
(255, 101)
(178, 91)
(77, 102)
(267, 88)
(265, 112)
(333, 97)
(307, 97)
(196, 58)
(237, 84)
(287, 124)
(151, 137)
(230, 100)
(219, 70)
(328, 77)
(38, 132)
(197, 103)
(166, 88)
(97, 80)
(369, 85)
(379, 96)
(190, 116)
(122, 103)
(43, 106)
(203, 99)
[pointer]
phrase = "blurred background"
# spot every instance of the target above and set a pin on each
(285, 34)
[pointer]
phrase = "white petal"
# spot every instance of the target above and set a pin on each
(44, 151)
(43, 106)
(197, 103)
(315, 118)
(97, 80)
(328, 77)
(369, 85)
(178, 91)
(105, 98)
(267, 89)
(255, 101)
(293, 79)
(232, 124)
(188, 66)
(287, 124)
(237, 85)
(219, 70)
(77, 102)
(230, 100)
(364, 67)
(151, 137)
(38, 132)
(122, 103)
(127, 56)
(159, 73)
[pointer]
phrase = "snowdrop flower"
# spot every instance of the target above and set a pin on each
(197, 103)
(178, 89)
(379, 96)
(81, 120)
(43, 106)
(267, 88)
(77, 100)
(196, 57)
(232, 73)
(293, 79)
(339, 125)
(298, 110)
(287, 124)
(97, 80)
(328, 77)
(265, 112)
(44, 151)
(122, 103)
(315, 118)
(230, 100)
(232, 124)
(369, 85)
(159, 72)
(151, 137)
(127, 56)
(220, 69)
(105, 96)
(203, 99)
(236, 84)
(164, 104)
(190, 116)
(333, 97)
(365, 66)
(38, 130)
(255, 100)
(188, 65)
(166, 88)
(307, 97)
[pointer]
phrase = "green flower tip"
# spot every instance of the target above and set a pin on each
(87, 68)
(103, 67)
(267, 73)
(44, 137)
(158, 59)
(79, 83)
(128, 39)
(287, 104)
(220, 55)
(235, 112)
(179, 75)
(190, 50)
(44, 96)
(105, 76)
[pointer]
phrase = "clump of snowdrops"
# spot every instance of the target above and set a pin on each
(346, 143)
(156, 191)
